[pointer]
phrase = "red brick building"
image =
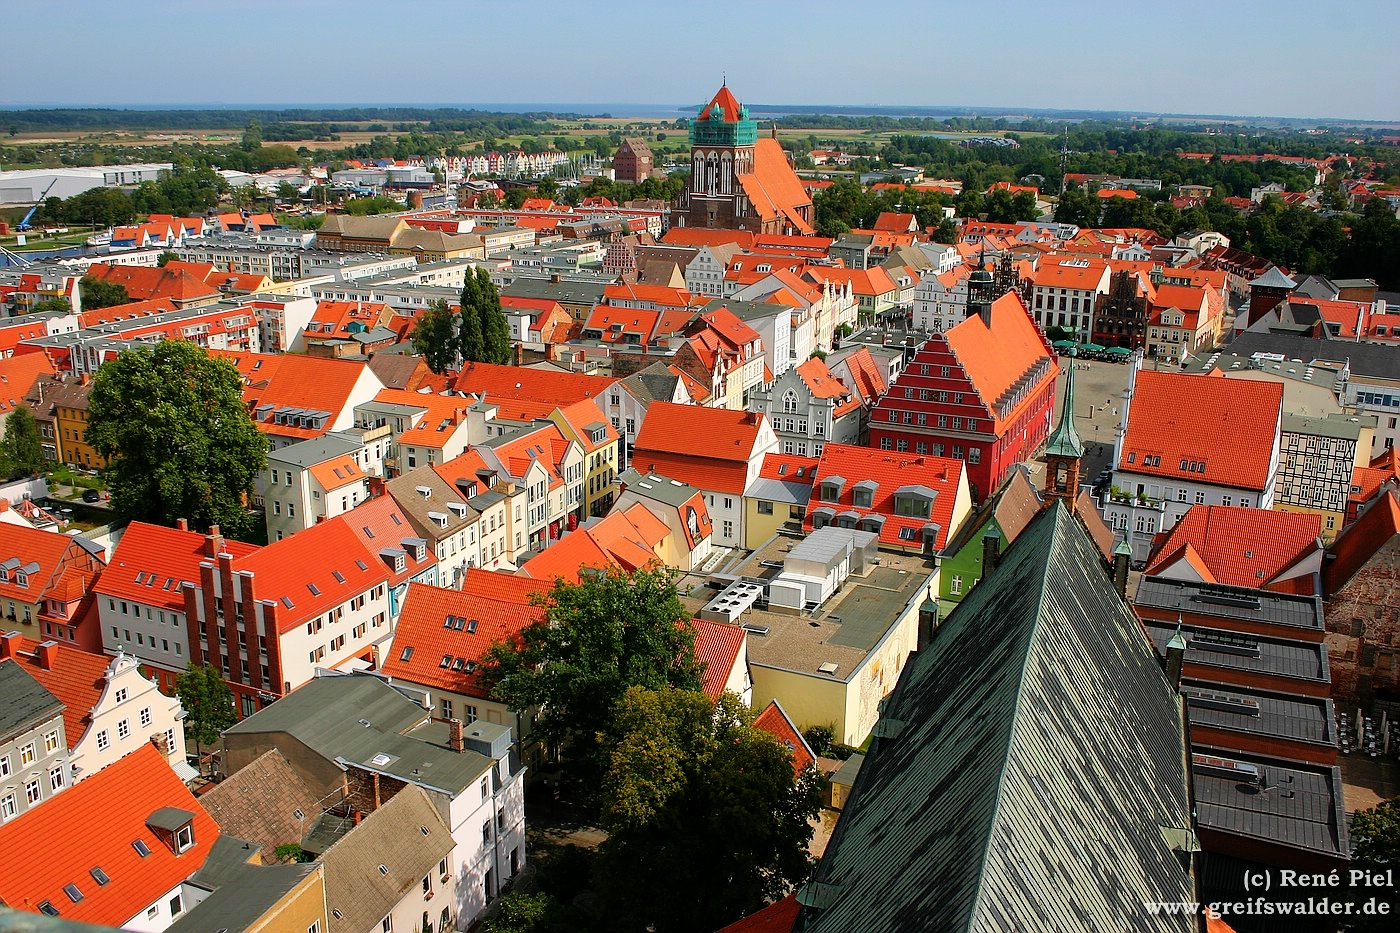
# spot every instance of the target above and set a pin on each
(982, 391)
(633, 161)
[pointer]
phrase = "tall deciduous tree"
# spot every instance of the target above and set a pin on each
(178, 440)
(707, 820)
(96, 293)
(596, 638)
(23, 449)
(435, 337)
(208, 704)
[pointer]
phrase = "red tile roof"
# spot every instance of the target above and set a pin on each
(443, 653)
(94, 824)
(725, 101)
(822, 384)
(995, 358)
(151, 561)
(717, 646)
(699, 236)
(1204, 429)
(773, 188)
(868, 381)
(709, 448)
(1078, 273)
(775, 918)
(890, 471)
(77, 678)
(1241, 546)
(1376, 527)
(541, 384)
(775, 721)
(289, 380)
(125, 312)
(146, 282)
(380, 523)
(302, 569)
(624, 539)
(786, 467)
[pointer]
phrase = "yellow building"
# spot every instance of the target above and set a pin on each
(778, 497)
(585, 424)
(66, 402)
(833, 664)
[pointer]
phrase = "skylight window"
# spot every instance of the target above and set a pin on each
(98, 875)
(471, 627)
(446, 661)
(339, 577)
(407, 653)
(73, 893)
(313, 589)
(141, 848)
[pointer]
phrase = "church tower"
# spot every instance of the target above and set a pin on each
(1063, 450)
(722, 141)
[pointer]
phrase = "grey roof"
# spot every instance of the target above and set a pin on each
(1367, 359)
(1329, 377)
(1347, 427)
(392, 837)
(1303, 613)
(1274, 278)
(654, 486)
(361, 720)
(776, 490)
(1260, 712)
(239, 904)
(564, 292)
(1298, 805)
(1278, 657)
(1032, 759)
(315, 450)
(651, 383)
(169, 818)
(24, 702)
(1316, 286)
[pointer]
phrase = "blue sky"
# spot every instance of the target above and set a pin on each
(1280, 58)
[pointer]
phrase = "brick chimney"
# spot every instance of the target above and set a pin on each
(47, 653)
(182, 524)
(213, 542)
(518, 355)
(454, 735)
(10, 644)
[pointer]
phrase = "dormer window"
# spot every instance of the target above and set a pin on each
(831, 488)
(174, 827)
(864, 494)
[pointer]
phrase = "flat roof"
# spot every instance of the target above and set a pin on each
(843, 630)
(1296, 805)
(1280, 656)
(1260, 712)
(1231, 602)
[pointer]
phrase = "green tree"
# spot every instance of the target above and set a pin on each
(1375, 847)
(179, 443)
(208, 704)
(706, 819)
(519, 912)
(495, 329)
(23, 449)
(166, 257)
(96, 293)
(611, 631)
(60, 305)
(471, 341)
(252, 136)
(1077, 206)
(286, 191)
(435, 337)
(360, 207)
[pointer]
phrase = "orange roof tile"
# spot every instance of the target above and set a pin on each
(124, 312)
(994, 358)
(822, 384)
(1206, 429)
(315, 570)
(1076, 273)
(717, 646)
(724, 100)
(379, 523)
(1242, 546)
(338, 472)
(773, 188)
(518, 382)
(443, 634)
(77, 678)
(775, 918)
(890, 471)
(700, 236)
(18, 374)
(503, 587)
(289, 380)
(790, 468)
(687, 442)
(868, 381)
(145, 282)
(95, 824)
(151, 561)
(775, 721)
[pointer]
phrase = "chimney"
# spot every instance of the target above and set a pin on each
(1122, 558)
(213, 542)
(9, 646)
(1176, 653)
(47, 653)
(518, 355)
(356, 815)
(183, 524)
(554, 278)
(84, 379)
(991, 551)
(454, 735)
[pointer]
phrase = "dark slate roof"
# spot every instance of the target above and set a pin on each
(24, 703)
(1033, 768)
(1260, 712)
(1367, 359)
(654, 382)
(1297, 805)
(1231, 602)
(1282, 657)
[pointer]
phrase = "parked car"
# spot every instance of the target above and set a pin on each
(91, 495)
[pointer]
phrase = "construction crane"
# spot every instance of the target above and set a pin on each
(23, 225)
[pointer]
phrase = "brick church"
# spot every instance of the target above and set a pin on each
(739, 181)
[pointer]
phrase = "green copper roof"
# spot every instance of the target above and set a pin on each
(1064, 441)
(1032, 770)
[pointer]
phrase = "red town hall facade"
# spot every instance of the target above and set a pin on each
(982, 392)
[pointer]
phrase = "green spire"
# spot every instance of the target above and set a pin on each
(1064, 441)
(1177, 641)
